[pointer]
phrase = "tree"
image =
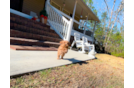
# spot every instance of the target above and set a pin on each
(121, 7)
(100, 28)
(107, 33)
(103, 20)
(109, 19)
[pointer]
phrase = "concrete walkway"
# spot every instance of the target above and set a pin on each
(29, 61)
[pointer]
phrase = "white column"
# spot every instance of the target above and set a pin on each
(71, 23)
(74, 9)
(93, 32)
(47, 1)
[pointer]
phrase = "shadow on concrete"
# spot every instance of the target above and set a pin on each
(95, 58)
(74, 61)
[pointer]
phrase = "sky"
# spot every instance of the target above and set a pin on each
(101, 7)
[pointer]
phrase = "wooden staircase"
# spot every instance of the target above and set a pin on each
(27, 34)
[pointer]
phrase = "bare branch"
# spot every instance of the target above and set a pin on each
(110, 20)
(106, 5)
(120, 7)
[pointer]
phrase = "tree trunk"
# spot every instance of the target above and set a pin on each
(109, 20)
(114, 22)
(106, 5)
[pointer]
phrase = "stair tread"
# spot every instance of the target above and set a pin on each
(31, 24)
(32, 40)
(20, 17)
(14, 33)
(19, 47)
(24, 28)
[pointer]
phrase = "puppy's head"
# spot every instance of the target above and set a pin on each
(66, 43)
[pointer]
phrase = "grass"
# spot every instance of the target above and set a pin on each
(118, 54)
(106, 71)
(45, 73)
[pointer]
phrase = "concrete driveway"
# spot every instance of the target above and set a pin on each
(28, 61)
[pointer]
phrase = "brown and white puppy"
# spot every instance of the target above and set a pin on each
(63, 48)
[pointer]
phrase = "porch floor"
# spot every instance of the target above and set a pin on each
(29, 61)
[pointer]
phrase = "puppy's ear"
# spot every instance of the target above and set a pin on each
(61, 42)
(69, 44)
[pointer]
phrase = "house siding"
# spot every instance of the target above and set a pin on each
(33, 5)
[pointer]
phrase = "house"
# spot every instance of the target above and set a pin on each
(63, 21)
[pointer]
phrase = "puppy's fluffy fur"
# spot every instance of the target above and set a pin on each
(63, 48)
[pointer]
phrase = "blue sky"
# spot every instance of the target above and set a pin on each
(101, 7)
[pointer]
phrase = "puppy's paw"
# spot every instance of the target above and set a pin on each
(58, 58)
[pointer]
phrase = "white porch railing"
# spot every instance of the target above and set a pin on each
(58, 21)
(74, 20)
(20, 13)
(81, 34)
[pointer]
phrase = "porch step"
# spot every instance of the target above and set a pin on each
(30, 24)
(19, 47)
(23, 28)
(20, 34)
(25, 20)
(30, 42)
(27, 34)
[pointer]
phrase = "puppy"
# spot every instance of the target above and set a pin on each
(63, 48)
